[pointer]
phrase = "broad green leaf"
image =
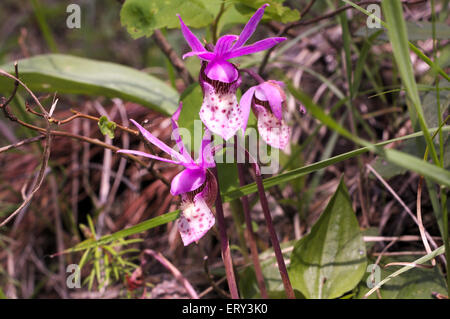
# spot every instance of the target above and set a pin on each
(74, 75)
(106, 126)
(142, 17)
(331, 259)
(275, 10)
(418, 283)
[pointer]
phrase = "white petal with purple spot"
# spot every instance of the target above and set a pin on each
(221, 113)
(273, 131)
(195, 220)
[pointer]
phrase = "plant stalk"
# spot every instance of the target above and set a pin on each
(225, 245)
(250, 233)
(273, 236)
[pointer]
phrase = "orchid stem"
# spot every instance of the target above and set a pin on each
(254, 75)
(225, 245)
(250, 233)
(273, 236)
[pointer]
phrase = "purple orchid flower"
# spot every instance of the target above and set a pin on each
(196, 185)
(266, 100)
(219, 78)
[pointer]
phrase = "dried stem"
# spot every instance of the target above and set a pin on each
(176, 273)
(21, 143)
(420, 222)
(48, 140)
(167, 49)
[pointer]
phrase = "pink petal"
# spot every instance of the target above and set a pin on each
(246, 104)
(255, 47)
(191, 39)
(155, 141)
(221, 70)
(195, 220)
(250, 27)
(176, 133)
(224, 44)
(204, 55)
(268, 91)
(187, 181)
(206, 158)
(273, 131)
(139, 153)
(221, 113)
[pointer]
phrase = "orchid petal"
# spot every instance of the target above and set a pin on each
(271, 92)
(246, 104)
(221, 70)
(224, 43)
(255, 47)
(155, 141)
(195, 220)
(204, 55)
(273, 131)
(220, 112)
(176, 133)
(187, 181)
(250, 27)
(190, 37)
(162, 159)
(206, 158)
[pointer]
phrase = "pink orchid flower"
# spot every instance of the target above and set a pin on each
(195, 184)
(266, 100)
(220, 111)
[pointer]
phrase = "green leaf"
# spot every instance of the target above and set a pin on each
(106, 127)
(331, 259)
(275, 11)
(142, 17)
(74, 75)
(404, 160)
(396, 26)
(418, 283)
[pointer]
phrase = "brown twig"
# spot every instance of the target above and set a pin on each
(167, 49)
(402, 203)
(21, 143)
(214, 285)
(46, 152)
(176, 273)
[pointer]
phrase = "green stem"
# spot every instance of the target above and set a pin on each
(43, 25)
